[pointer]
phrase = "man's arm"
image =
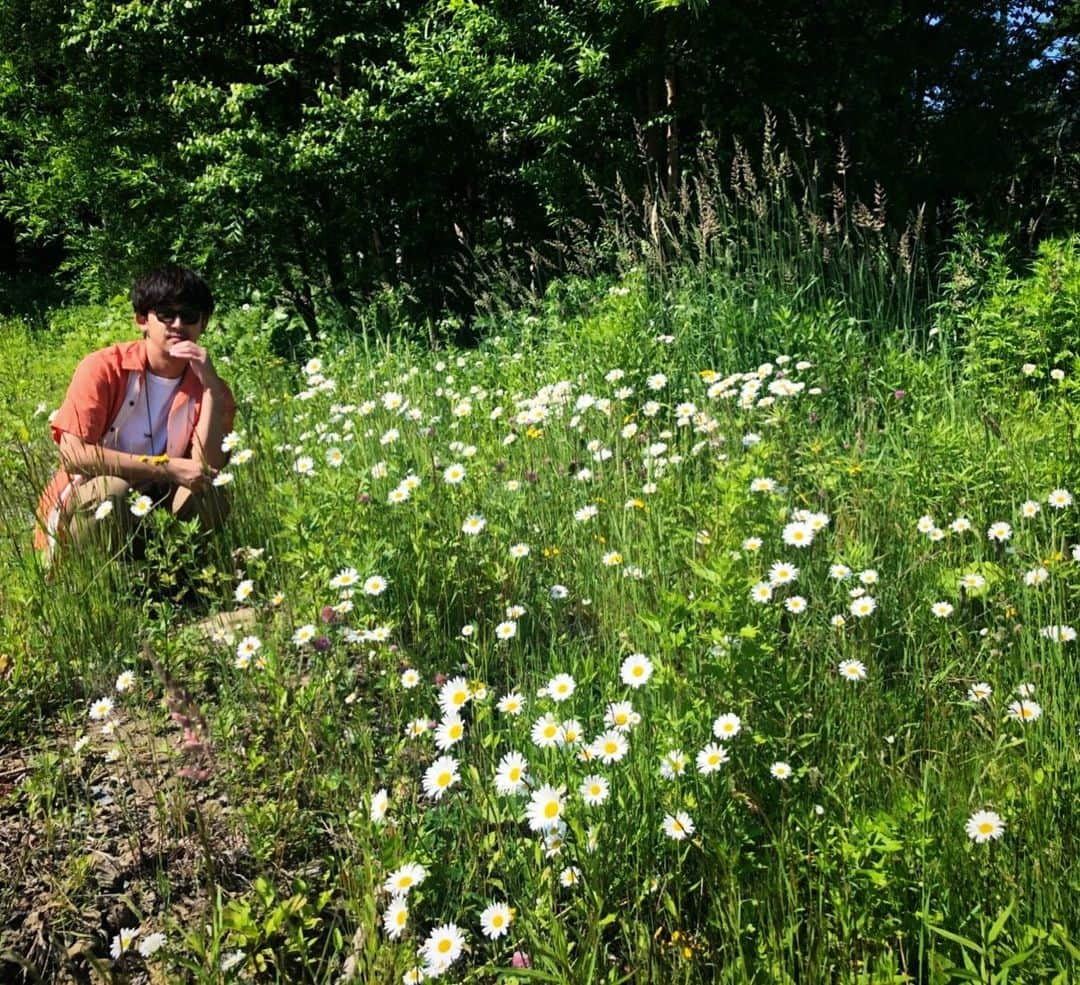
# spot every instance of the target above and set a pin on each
(211, 428)
(82, 458)
(216, 410)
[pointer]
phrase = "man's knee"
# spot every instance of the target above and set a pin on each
(85, 511)
(89, 495)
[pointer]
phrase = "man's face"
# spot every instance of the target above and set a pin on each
(169, 324)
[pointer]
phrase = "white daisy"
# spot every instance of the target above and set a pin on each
(711, 758)
(440, 776)
(1025, 711)
(512, 774)
(678, 826)
(782, 573)
(984, 826)
(495, 920)
(473, 524)
(506, 630)
(852, 670)
(123, 941)
(863, 606)
(511, 704)
(727, 726)
(396, 918)
(380, 802)
(594, 790)
(636, 670)
(609, 747)
(140, 506)
(1059, 499)
(545, 807)
(560, 687)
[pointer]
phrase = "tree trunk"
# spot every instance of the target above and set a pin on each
(654, 148)
(672, 171)
(337, 281)
(299, 296)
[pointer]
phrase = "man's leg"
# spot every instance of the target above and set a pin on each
(211, 506)
(79, 519)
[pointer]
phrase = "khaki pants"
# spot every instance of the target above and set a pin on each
(210, 506)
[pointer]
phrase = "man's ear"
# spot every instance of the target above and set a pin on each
(141, 320)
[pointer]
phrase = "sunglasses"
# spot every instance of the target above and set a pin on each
(187, 316)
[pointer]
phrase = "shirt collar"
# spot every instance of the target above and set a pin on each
(133, 355)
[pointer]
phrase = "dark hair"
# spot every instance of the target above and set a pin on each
(171, 285)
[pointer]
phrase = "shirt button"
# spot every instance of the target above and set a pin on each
(131, 403)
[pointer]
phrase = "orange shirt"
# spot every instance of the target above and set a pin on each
(102, 392)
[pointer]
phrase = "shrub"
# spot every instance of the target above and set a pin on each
(1026, 320)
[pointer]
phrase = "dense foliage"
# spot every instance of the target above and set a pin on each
(321, 152)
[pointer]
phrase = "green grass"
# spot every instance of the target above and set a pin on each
(855, 869)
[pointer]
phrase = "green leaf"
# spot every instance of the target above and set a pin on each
(966, 942)
(999, 924)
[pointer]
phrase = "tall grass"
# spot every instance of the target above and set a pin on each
(747, 233)
(855, 868)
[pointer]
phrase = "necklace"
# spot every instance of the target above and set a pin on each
(149, 423)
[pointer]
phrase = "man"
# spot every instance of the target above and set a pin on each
(146, 416)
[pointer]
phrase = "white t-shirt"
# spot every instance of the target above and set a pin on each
(146, 430)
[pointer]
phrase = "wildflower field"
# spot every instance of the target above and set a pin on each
(656, 637)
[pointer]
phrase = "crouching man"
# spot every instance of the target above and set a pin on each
(146, 416)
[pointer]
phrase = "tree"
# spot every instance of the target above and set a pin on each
(320, 151)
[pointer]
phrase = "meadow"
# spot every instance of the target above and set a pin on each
(671, 632)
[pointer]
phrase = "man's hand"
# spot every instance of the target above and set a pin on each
(199, 361)
(189, 473)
